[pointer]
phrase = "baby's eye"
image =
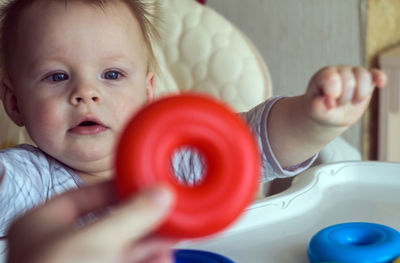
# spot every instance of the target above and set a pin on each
(57, 77)
(113, 75)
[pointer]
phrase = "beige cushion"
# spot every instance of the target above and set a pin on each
(202, 51)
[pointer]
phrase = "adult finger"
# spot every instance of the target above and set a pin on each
(58, 215)
(150, 248)
(64, 210)
(133, 219)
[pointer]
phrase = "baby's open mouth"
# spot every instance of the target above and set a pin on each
(88, 123)
(88, 127)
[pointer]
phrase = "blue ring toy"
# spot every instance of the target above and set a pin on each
(198, 256)
(356, 242)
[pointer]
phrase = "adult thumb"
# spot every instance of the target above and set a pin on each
(136, 217)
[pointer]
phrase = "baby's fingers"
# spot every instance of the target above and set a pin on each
(379, 78)
(348, 85)
(365, 85)
(327, 86)
(367, 81)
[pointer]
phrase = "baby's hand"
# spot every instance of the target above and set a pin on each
(339, 95)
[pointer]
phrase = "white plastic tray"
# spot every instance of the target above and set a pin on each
(277, 229)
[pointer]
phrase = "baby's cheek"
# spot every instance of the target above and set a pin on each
(125, 112)
(45, 122)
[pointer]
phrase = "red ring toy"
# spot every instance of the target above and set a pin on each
(224, 140)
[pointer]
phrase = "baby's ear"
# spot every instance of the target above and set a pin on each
(150, 86)
(10, 103)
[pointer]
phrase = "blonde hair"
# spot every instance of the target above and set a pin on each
(143, 10)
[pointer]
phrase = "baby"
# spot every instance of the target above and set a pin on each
(74, 72)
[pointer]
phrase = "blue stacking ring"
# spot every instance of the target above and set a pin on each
(198, 256)
(355, 242)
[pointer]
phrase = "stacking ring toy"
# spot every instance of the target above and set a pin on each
(355, 243)
(231, 176)
(199, 256)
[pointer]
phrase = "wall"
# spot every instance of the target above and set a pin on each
(383, 27)
(296, 38)
(382, 33)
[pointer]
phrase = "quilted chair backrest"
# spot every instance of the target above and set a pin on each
(202, 51)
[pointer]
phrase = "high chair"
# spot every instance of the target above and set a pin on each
(202, 51)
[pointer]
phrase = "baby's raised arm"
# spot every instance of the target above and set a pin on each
(336, 98)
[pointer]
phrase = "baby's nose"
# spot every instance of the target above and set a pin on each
(85, 94)
(80, 99)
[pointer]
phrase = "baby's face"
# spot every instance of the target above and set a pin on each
(79, 73)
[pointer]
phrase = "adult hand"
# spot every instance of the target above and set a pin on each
(51, 233)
